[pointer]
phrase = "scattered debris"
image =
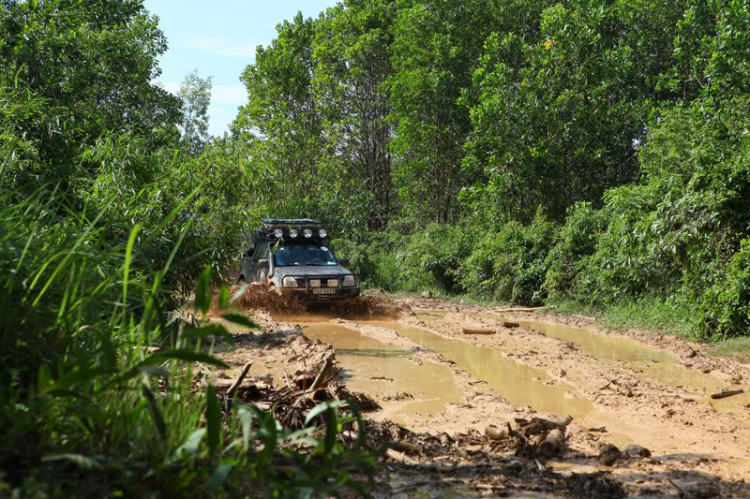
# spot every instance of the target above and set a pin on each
(398, 396)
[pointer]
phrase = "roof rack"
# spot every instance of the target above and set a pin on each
(286, 226)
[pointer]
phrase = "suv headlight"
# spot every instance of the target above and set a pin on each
(289, 282)
(350, 281)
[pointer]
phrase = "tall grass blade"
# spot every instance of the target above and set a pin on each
(213, 419)
(155, 412)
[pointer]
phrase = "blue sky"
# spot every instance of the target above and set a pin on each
(219, 38)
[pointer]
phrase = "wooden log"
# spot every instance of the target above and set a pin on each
(240, 379)
(327, 366)
(399, 457)
(511, 325)
(552, 443)
(539, 425)
(726, 393)
(517, 309)
(495, 433)
(467, 330)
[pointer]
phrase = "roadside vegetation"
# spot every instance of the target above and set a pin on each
(589, 154)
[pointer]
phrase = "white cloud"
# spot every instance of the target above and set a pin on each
(225, 46)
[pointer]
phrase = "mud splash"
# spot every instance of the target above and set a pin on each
(287, 308)
(386, 373)
(519, 384)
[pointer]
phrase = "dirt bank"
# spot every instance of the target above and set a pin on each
(622, 388)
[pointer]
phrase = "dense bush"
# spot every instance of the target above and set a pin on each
(511, 265)
(435, 255)
(726, 305)
(575, 243)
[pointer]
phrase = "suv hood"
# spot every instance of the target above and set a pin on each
(306, 270)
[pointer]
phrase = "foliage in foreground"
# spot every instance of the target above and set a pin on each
(87, 408)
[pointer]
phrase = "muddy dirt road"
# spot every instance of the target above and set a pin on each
(644, 422)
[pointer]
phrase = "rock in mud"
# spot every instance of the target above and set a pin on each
(634, 450)
(609, 454)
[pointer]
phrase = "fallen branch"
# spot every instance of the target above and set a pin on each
(539, 425)
(552, 443)
(399, 457)
(320, 378)
(495, 433)
(239, 380)
(726, 393)
(467, 330)
(518, 309)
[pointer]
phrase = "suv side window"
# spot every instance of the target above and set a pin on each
(262, 252)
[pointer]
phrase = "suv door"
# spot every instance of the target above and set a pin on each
(262, 252)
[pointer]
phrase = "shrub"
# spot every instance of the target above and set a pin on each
(726, 305)
(511, 265)
(435, 255)
(575, 243)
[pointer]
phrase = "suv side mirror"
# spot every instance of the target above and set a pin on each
(263, 264)
(344, 263)
(250, 251)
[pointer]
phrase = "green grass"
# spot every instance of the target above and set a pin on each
(735, 348)
(87, 411)
(651, 314)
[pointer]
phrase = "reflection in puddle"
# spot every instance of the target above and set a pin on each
(381, 370)
(515, 382)
(656, 366)
(597, 344)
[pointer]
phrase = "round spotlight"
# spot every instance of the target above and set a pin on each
(322, 233)
(294, 233)
(278, 233)
(308, 233)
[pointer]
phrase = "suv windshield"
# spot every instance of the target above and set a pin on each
(303, 254)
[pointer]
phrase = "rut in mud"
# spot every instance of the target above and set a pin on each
(439, 390)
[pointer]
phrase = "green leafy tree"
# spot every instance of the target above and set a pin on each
(92, 64)
(353, 63)
(195, 93)
(282, 114)
(435, 51)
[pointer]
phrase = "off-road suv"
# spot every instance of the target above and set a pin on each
(292, 257)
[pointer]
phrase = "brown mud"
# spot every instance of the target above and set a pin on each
(439, 389)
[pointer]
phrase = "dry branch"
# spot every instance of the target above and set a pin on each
(517, 309)
(726, 393)
(552, 443)
(240, 379)
(467, 330)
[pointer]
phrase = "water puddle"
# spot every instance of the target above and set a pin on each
(597, 344)
(519, 384)
(655, 365)
(385, 372)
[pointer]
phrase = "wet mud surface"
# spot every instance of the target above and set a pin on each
(440, 389)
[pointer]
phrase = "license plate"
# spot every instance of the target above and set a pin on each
(324, 291)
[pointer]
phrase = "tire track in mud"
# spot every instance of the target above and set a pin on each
(692, 443)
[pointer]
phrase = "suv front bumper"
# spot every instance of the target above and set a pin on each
(321, 293)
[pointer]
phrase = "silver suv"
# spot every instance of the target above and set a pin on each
(293, 257)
